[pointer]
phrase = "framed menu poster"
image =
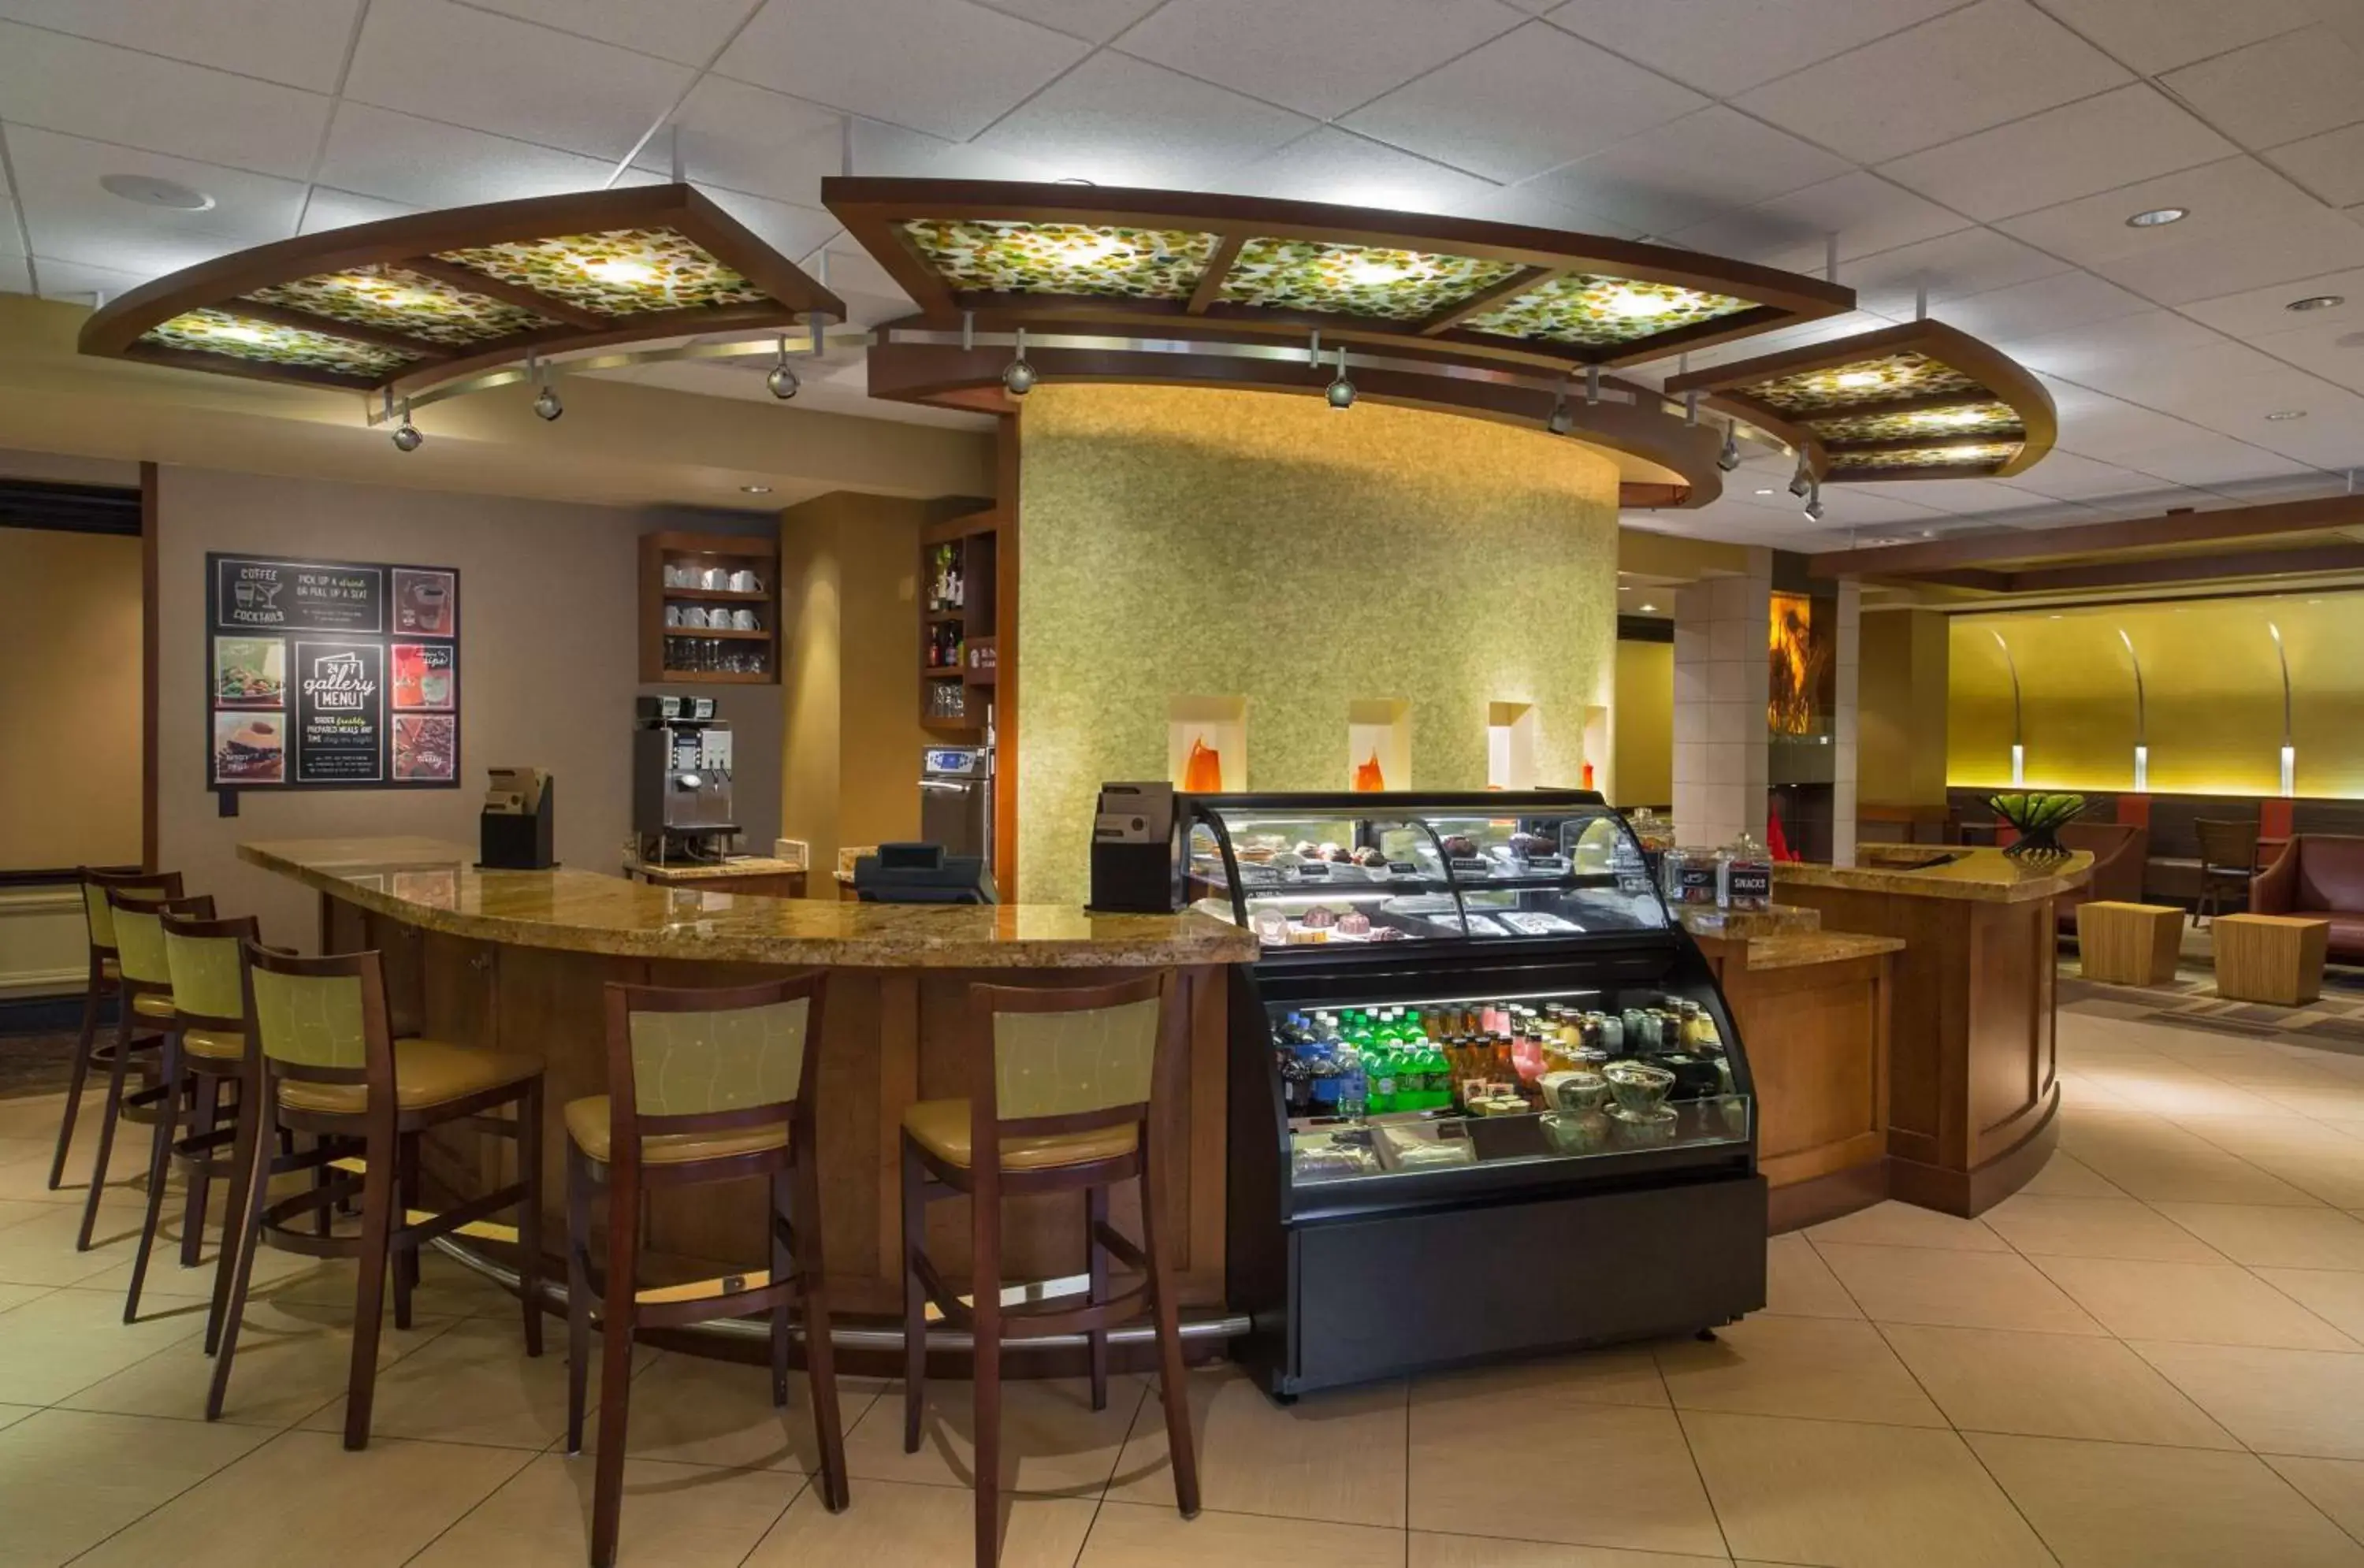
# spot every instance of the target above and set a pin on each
(331, 674)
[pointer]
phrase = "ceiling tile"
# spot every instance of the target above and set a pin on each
(751, 138)
(2175, 381)
(1866, 211)
(74, 220)
(95, 89)
(325, 208)
(1992, 61)
(2306, 245)
(685, 30)
(2153, 36)
(2257, 313)
(2320, 351)
(1099, 21)
(1690, 170)
(1527, 203)
(16, 276)
(2299, 85)
(2204, 457)
(1966, 262)
(299, 44)
(81, 283)
(2083, 351)
(378, 152)
(1723, 47)
(1318, 57)
(2113, 138)
(467, 68)
(884, 150)
(793, 231)
(2330, 165)
(1528, 101)
(975, 65)
(1332, 165)
(2048, 305)
(1120, 121)
(2237, 198)
(2235, 394)
(2065, 476)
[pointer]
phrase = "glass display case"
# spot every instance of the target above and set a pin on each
(1479, 1070)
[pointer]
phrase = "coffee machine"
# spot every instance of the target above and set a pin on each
(681, 780)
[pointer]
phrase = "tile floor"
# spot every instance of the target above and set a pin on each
(2155, 1356)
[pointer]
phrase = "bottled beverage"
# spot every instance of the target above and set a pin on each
(1379, 1064)
(1440, 1076)
(1296, 1084)
(1354, 1090)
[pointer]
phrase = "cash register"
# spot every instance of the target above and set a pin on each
(516, 825)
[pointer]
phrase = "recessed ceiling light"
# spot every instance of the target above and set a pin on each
(756, 489)
(2281, 413)
(148, 191)
(2157, 217)
(1765, 493)
(2318, 302)
(1649, 609)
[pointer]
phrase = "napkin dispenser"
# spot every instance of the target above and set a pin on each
(516, 825)
(1134, 868)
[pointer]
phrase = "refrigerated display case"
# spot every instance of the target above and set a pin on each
(1485, 1097)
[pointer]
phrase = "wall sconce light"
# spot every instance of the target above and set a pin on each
(2289, 751)
(2142, 750)
(2018, 751)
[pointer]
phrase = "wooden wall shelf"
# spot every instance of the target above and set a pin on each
(664, 650)
(953, 635)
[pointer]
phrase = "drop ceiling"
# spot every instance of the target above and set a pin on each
(1984, 155)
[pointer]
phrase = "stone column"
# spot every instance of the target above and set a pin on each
(1720, 681)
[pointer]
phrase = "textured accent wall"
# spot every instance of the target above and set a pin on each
(1192, 542)
(1645, 724)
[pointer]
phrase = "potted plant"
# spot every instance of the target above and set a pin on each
(2038, 819)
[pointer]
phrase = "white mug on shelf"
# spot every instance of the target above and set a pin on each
(744, 583)
(693, 615)
(672, 614)
(716, 578)
(678, 576)
(743, 618)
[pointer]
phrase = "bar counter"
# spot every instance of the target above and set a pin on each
(1973, 1095)
(517, 960)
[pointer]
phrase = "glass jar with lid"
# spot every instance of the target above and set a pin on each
(1691, 874)
(1744, 875)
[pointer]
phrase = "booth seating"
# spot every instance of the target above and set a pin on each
(2119, 852)
(2322, 874)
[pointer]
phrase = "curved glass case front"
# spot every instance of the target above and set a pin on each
(1313, 870)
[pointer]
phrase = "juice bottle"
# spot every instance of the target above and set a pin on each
(1440, 1077)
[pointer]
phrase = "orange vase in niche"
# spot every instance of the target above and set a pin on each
(1203, 774)
(1368, 775)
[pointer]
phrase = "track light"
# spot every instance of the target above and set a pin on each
(1691, 407)
(1803, 480)
(547, 404)
(1815, 499)
(1727, 457)
(781, 382)
(1018, 376)
(407, 439)
(1340, 392)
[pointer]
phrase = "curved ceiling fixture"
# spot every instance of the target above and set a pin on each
(401, 307)
(1172, 285)
(1918, 401)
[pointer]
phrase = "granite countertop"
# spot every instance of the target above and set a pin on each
(1987, 877)
(1804, 948)
(737, 865)
(432, 884)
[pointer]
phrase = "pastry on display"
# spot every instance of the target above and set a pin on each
(1320, 919)
(1367, 856)
(1354, 923)
(1460, 846)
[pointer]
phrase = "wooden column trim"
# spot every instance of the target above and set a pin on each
(150, 651)
(1007, 779)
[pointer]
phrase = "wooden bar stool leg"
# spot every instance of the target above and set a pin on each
(379, 1198)
(91, 1001)
(915, 1294)
(204, 1115)
(160, 1163)
(529, 1215)
(1095, 1262)
(406, 1200)
(780, 1211)
(615, 1367)
(820, 1355)
(238, 1248)
(246, 1147)
(1173, 1392)
(578, 1292)
(107, 1114)
(984, 1281)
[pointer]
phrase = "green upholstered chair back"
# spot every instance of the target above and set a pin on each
(205, 971)
(140, 946)
(1069, 1064)
(100, 915)
(310, 1020)
(737, 1058)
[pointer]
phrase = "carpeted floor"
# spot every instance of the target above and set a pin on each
(2333, 1022)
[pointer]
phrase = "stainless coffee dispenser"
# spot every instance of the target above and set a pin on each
(681, 771)
(957, 799)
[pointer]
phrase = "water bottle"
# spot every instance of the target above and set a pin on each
(1353, 1088)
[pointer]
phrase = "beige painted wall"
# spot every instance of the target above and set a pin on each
(70, 699)
(549, 668)
(1645, 705)
(851, 733)
(1901, 709)
(1187, 542)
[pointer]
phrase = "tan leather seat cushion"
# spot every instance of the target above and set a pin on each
(153, 1004)
(586, 1123)
(226, 1045)
(109, 969)
(426, 1073)
(942, 1128)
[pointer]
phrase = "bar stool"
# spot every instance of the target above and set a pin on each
(325, 1062)
(205, 1050)
(144, 981)
(707, 1085)
(1061, 1098)
(105, 977)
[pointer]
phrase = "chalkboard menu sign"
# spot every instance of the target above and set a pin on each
(332, 674)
